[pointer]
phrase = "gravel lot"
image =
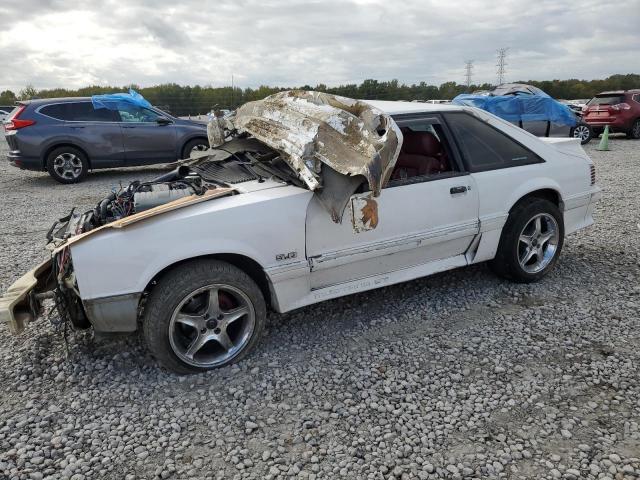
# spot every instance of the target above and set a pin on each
(460, 375)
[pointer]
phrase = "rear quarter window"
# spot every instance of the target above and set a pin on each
(57, 111)
(484, 147)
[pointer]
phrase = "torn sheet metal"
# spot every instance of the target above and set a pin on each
(310, 129)
(216, 128)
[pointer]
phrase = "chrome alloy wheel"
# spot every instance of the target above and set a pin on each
(581, 132)
(68, 165)
(538, 243)
(211, 325)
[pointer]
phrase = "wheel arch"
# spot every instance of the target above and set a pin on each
(547, 193)
(243, 262)
(55, 145)
(196, 136)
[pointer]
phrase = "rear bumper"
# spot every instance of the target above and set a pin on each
(20, 305)
(615, 122)
(578, 211)
(25, 163)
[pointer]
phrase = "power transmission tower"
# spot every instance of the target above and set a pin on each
(468, 72)
(502, 63)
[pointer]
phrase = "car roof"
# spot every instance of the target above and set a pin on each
(42, 101)
(619, 92)
(397, 108)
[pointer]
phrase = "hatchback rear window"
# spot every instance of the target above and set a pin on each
(606, 100)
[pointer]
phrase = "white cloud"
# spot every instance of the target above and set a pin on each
(63, 43)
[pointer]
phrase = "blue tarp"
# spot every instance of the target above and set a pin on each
(112, 100)
(517, 108)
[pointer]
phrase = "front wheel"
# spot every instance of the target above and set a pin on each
(531, 241)
(203, 315)
(195, 145)
(583, 132)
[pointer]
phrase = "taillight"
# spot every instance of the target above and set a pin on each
(15, 123)
(593, 174)
(621, 106)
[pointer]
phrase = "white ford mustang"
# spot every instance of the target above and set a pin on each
(310, 197)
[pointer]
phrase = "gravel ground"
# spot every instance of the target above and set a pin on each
(460, 375)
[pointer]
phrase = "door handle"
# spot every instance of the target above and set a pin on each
(76, 127)
(460, 189)
(126, 126)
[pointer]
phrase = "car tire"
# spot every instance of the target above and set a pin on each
(187, 331)
(67, 165)
(583, 132)
(198, 144)
(531, 241)
(634, 132)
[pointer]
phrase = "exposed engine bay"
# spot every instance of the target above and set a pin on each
(239, 160)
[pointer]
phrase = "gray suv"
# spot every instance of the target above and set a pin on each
(68, 136)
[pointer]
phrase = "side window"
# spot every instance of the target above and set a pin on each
(84, 112)
(636, 97)
(134, 114)
(424, 154)
(57, 111)
(486, 148)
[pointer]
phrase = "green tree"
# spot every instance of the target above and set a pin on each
(27, 93)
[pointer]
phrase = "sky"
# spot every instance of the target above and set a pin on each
(75, 43)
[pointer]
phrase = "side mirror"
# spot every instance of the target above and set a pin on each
(163, 121)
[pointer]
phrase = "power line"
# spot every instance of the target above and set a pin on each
(468, 72)
(502, 63)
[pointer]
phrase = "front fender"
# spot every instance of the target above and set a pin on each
(258, 225)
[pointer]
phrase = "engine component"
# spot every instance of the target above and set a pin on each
(158, 195)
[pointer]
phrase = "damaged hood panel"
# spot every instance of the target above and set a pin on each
(315, 129)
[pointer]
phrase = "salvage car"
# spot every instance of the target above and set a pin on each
(306, 197)
(67, 137)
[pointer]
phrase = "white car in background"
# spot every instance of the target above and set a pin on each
(314, 197)
(4, 113)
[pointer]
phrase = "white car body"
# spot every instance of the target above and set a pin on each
(4, 114)
(306, 257)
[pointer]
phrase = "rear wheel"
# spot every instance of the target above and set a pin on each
(583, 132)
(203, 315)
(531, 241)
(195, 145)
(67, 165)
(635, 130)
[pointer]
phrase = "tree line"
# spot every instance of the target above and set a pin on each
(195, 100)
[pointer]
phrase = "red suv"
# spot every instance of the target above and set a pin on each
(620, 110)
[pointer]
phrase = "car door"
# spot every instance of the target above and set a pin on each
(499, 165)
(94, 130)
(149, 137)
(421, 219)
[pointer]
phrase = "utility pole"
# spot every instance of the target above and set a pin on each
(232, 88)
(502, 63)
(468, 72)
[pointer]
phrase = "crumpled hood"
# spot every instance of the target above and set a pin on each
(315, 129)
